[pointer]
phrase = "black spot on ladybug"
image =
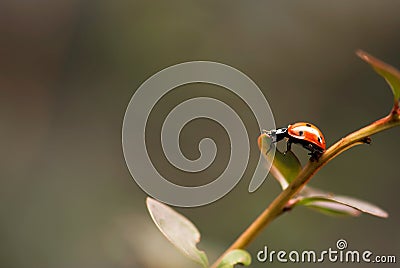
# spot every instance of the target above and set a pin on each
(319, 139)
(308, 125)
(301, 133)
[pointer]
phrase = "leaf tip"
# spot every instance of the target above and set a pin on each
(262, 140)
(363, 55)
(236, 256)
(388, 72)
(368, 58)
(150, 202)
(383, 214)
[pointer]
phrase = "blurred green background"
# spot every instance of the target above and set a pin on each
(70, 67)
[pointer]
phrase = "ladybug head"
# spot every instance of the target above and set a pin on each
(277, 134)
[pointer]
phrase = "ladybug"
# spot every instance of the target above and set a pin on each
(305, 134)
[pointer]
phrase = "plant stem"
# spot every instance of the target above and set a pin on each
(277, 207)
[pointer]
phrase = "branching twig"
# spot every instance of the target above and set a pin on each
(277, 207)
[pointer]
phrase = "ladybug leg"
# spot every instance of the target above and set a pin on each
(315, 154)
(288, 146)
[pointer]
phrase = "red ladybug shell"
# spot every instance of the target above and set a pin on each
(307, 132)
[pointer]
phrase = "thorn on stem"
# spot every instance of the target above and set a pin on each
(367, 140)
(290, 204)
(287, 208)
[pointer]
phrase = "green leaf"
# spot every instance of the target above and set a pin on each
(338, 204)
(391, 74)
(329, 207)
(177, 229)
(333, 209)
(285, 167)
(236, 256)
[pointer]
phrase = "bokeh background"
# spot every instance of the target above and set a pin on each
(70, 67)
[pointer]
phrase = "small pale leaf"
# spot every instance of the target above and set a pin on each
(285, 167)
(329, 207)
(327, 201)
(236, 256)
(388, 72)
(361, 205)
(177, 229)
